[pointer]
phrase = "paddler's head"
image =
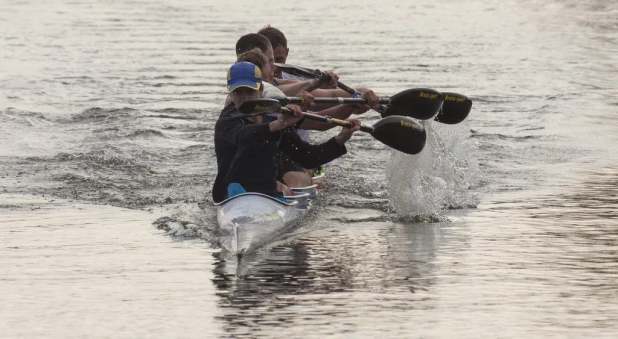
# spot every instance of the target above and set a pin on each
(254, 40)
(279, 45)
(244, 82)
(256, 57)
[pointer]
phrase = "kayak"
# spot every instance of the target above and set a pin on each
(248, 221)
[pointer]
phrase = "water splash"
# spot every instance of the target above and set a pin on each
(438, 178)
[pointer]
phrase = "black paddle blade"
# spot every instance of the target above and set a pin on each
(299, 71)
(418, 103)
(260, 106)
(401, 133)
(455, 109)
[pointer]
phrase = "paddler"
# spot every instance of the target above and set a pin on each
(246, 146)
(290, 174)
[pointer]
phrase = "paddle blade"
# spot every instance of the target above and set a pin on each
(418, 103)
(455, 109)
(260, 106)
(401, 133)
(299, 71)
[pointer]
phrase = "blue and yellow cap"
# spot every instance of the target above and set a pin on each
(244, 74)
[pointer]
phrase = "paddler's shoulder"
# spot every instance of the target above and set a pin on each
(227, 110)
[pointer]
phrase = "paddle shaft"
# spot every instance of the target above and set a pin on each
(348, 89)
(316, 74)
(329, 120)
(334, 101)
(355, 94)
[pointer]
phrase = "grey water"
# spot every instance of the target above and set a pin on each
(506, 225)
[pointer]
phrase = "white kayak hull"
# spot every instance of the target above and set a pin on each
(250, 220)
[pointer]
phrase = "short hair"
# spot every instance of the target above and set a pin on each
(275, 36)
(250, 41)
(254, 56)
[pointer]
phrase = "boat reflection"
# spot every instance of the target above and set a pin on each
(378, 257)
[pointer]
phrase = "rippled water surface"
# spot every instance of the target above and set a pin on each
(506, 225)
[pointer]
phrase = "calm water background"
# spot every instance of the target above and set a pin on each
(107, 110)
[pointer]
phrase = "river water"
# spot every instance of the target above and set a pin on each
(506, 225)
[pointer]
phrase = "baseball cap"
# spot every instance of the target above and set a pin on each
(244, 74)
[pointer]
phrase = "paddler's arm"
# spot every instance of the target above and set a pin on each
(335, 92)
(310, 156)
(292, 86)
(341, 112)
(307, 155)
(318, 93)
(286, 120)
(235, 132)
(238, 131)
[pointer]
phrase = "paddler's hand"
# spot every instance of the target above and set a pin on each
(308, 98)
(286, 120)
(373, 101)
(328, 80)
(346, 133)
(361, 90)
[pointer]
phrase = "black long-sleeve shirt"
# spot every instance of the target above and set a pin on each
(247, 153)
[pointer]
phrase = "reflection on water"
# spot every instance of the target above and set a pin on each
(318, 272)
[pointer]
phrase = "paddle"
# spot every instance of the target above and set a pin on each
(424, 102)
(453, 111)
(398, 132)
(457, 107)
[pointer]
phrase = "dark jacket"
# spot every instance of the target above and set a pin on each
(247, 153)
